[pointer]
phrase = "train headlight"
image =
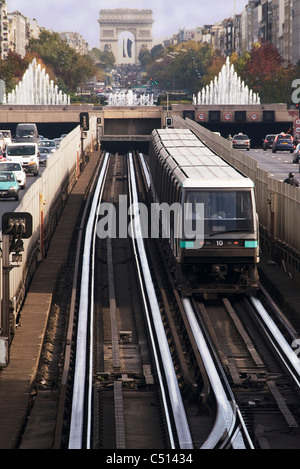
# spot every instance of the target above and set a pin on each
(250, 244)
(187, 244)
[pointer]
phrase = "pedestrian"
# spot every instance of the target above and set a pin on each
(292, 180)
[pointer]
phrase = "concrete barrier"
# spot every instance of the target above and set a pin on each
(45, 200)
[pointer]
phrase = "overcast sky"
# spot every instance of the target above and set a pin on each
(82, 15)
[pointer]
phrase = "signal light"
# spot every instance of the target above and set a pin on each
(17, 224)
(169, 121)
(84, 121)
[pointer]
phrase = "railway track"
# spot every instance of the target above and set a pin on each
(259, 366)
(232, 389)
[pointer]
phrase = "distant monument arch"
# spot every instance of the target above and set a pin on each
(124, 32)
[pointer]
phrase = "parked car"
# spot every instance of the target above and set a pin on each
(283, 142)
(296, 155)
(18, 171)
(268, 141)
(9, 186)
(44, 153)
(241, 141)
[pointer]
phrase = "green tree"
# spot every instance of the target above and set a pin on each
(157, 51)
(103, 60)
(68, 66)
(144, 57)
(182, 67)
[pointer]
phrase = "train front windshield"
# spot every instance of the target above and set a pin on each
(223, 211)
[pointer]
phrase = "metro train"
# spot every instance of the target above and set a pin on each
(212, 240)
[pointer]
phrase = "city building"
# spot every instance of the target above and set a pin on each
(17, 32)
(76, 41)
(125, 31)
(275, 21)
(4, 30)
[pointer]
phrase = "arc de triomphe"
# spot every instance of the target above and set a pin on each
(124, 32)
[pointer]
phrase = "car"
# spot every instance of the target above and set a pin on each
(268, 141)
(2, 143)
(9, 186)
(57, 141)
(241, 141)
(48, 144)
(7, 136)
(18, 171)
(296, 155)
(44, 153)
(283, 142)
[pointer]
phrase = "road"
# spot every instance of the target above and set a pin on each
(9, 205)
(278, 164)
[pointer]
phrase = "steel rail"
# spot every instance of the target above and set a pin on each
(287, 354)
(67, 359)
(175, 398)
(78, 396)
(226, 418)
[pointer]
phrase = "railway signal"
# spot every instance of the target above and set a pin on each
(84, 121)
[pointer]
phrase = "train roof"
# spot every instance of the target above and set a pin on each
(193, 163)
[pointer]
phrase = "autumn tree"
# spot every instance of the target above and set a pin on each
(266, 73)
(12, 69)
(213, 69)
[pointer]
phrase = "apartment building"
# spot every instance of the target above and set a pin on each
(4, 30)
(295, 54)
(275, 21)
(17, 32)
(76, 41)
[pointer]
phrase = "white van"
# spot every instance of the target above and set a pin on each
(25, 153)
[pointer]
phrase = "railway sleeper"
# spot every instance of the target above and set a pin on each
(246, 378)
(282, 405)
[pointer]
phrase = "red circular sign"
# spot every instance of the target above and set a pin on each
(227, 116)
(201, 116)
(254, 116)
